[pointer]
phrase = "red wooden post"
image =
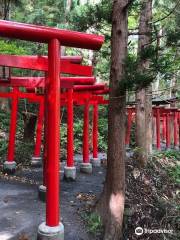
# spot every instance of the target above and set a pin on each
(53, 140)
(86, 133)
(52, 126)
(164, 127)
(86, 166)
(129, 124)
(42, 188)
(10, 164)
(95, 161)
(36, 159)
(167, 131)
(158, 138)
(176, 145)
(70, 170)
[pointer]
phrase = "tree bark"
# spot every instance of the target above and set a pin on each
(144, 96)
(111, 204)
(29, 126)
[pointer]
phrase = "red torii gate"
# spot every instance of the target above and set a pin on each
(78, 98)
(52, 228)
(66, 82)
(30, 82)
(158, 112)
(40, 63)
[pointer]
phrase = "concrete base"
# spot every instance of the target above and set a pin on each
(127, 147)
(176, 147)
(42, 193)
(70, 173)
(168, 149)
(86, 168)
(36, 162)
(50, 233)
(9, 167)
(96, 162)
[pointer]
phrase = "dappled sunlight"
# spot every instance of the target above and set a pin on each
(116, 206)
(5, 235)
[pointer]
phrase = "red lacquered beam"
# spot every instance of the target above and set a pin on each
(29, 96)
(101, 92)
(36, 33)
(41, 64)
(34, 82)
(89, 88)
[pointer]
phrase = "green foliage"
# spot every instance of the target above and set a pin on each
(174, 173)
(10, 47)
(173, 163)
(172, 154)
(94, 223)
(3, 147)
(92, 16)
(134, 78)
(24, 152)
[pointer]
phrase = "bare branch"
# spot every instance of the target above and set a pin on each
(167, 15)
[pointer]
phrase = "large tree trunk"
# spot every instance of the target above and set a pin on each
(111, 203)
(143, 96)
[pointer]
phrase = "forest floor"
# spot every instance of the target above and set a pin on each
(151, 201)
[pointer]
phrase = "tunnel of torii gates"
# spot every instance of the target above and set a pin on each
(75, 94)
(166, 120)
(53, 67)
(50, 101)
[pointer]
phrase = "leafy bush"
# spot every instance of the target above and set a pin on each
(174, 173)
(24, 152)
(170, 161)
(94, 223)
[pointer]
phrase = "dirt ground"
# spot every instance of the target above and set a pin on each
(152, 200)
(22, 212)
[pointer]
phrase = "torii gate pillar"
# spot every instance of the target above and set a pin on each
(10, 164)
(86, 166)
(52, 228)
(96, 162)
(70, 169)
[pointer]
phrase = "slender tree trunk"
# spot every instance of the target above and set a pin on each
(29, 126)
(111, 203)
(143, 96)
(68, 5)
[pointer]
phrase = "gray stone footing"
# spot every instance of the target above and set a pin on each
(176, 147)
(9, 167)
(42, 193)
(86, 168)
(168, 149)
(127, 147)
(36, 162)
(70, 173)
(96, 162)
(50, 233)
